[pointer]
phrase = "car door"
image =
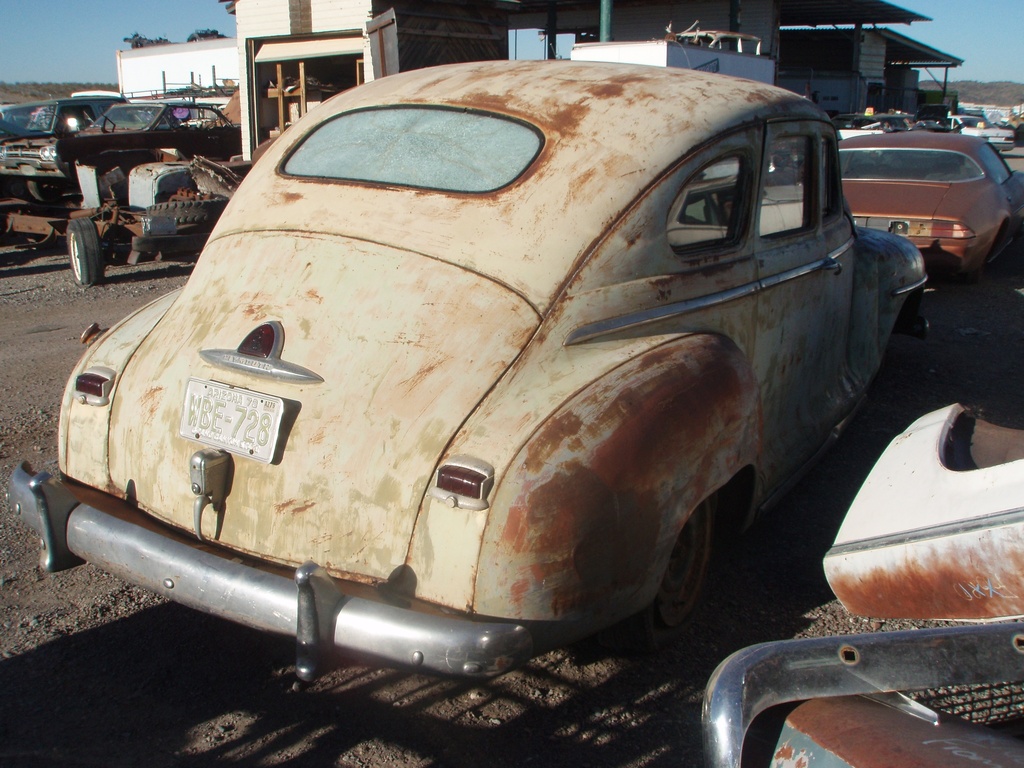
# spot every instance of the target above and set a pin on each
(804, 257)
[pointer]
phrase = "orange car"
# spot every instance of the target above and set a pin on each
(952, 195)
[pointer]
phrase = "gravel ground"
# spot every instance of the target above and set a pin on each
(99, 673)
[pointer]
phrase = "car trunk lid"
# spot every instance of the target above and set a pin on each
(406, 345)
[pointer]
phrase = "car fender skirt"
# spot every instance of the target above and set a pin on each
(312, 607)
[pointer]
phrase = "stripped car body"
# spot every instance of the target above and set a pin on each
(934, 533)
(497, 386)
(954, 551)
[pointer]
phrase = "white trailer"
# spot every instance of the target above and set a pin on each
(669, 53)
(155, 70)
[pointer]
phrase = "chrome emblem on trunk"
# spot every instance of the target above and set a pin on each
(260, 354)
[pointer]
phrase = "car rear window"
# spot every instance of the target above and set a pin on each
(423, 147)
(908, 165)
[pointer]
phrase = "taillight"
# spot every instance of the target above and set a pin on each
(463, 482)
(93, 386)
(952, 230)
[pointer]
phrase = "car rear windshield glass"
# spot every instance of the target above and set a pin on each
(908, 165)
(423, 147)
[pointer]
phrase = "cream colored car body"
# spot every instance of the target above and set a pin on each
(547, 329)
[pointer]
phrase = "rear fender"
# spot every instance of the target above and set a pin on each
(584, 521)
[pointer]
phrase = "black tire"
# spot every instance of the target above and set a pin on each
(189, 213)
(85, 252)
(14, 186)
(680, 592)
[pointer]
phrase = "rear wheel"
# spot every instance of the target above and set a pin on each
(85, 252)
(680, 592)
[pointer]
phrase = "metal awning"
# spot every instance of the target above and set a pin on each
(794, 13)
(821, 13)
(294, 50)
(901, 50)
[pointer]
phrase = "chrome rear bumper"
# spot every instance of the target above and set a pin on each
(311, 607)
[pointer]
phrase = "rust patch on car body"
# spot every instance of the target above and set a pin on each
(971, 575)
(606, 484)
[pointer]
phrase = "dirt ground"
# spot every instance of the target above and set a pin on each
(98, 673)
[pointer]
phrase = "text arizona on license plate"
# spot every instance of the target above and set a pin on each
(238, 420)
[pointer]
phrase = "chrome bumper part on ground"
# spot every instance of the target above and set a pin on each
(757, 678)
(312, 608)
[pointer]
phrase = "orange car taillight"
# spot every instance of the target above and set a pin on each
(463, 482)
(939, 229)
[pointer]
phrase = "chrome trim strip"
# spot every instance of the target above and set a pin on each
(995, 520)
(271, 367)
(757, 678)
(909, 288)
(191, 574)
(595, 330)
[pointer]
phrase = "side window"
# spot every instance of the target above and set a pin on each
(787, 189)
(709, 209)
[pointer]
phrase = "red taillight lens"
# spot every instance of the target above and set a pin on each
(461, 480)
(261, 342)
(92, 384)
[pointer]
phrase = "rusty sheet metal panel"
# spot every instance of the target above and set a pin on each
(529, 235)
(856, 732)
(358, 449)
(588, 515)
(925, 541)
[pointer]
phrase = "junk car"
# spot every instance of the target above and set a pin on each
(29, 166)
(475, 363)
(953, 196)
(933, 533)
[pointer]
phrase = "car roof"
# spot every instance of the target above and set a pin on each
(610, 130)
(969, 145)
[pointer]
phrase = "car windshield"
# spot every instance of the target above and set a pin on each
(130, 117)
(31, 117)
(423, 147)
(908, 165)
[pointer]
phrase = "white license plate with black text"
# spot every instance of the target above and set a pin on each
(237, 420)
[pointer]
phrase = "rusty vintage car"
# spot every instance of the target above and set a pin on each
(935, 532)
(477, 360)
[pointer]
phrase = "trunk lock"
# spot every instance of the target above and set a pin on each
(210, 473)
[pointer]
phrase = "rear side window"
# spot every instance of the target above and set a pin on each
(422, 147)
(709, 209)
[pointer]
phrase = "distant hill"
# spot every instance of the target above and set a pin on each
(18, 93)
(1002, 93)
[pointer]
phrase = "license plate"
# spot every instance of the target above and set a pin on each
(238, 420)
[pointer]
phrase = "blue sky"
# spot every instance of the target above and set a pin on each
(74, 40)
